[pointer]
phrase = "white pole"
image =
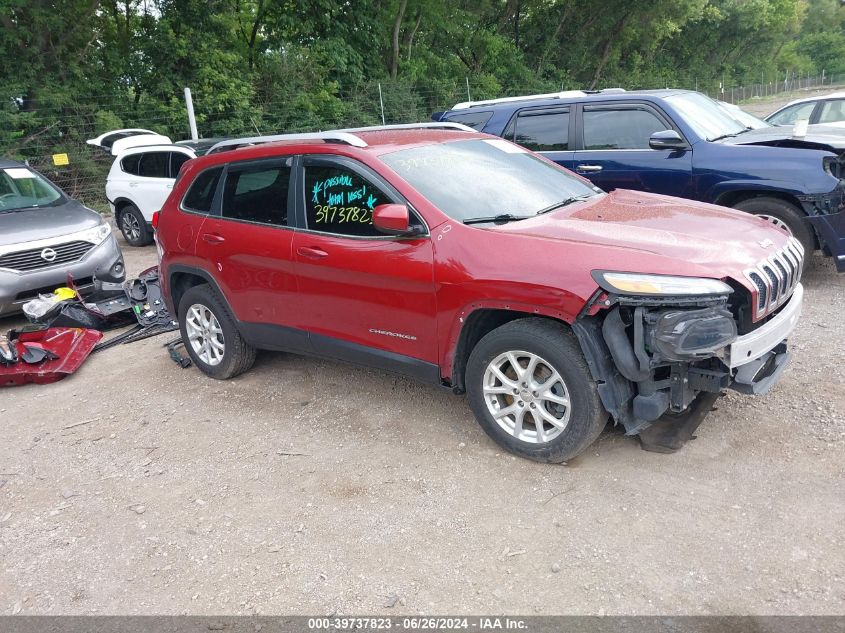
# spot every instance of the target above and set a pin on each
(381, 101)
(192, 122)
(469, 98)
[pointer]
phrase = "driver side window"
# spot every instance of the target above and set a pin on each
(339, 201)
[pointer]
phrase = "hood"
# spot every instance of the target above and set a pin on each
(28, 225)
(660, 234)
(821, 137)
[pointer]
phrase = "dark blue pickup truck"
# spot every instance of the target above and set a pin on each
(680, 143)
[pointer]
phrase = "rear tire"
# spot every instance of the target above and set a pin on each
(211, 336)
(782, 213)
(132, 224)
(549, 409)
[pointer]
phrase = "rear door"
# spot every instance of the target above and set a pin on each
(613, 150)
(363, 295)
(544, 130)
(247, 240)
(152, 176)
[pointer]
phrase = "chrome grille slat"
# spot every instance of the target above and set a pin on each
(775, 277)
(31, 259)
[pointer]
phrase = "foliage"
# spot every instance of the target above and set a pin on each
(76, 68)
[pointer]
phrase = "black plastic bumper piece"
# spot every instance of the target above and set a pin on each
(831, 231)
(759, 376)
(671, 432)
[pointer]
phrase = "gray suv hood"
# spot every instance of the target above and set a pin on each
(27, 225)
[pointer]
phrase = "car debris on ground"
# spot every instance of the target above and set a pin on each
(66, 328)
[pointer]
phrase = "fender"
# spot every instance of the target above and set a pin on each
(448, 354)
(119, 200)
(719, 190)
(191, 270)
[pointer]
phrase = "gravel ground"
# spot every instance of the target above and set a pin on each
(313, 487)
(765, 106)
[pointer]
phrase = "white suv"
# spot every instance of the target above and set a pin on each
(139, 182)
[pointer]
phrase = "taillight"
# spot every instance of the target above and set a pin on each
(155, 219)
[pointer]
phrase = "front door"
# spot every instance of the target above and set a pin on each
(364, 296)
(614, 152)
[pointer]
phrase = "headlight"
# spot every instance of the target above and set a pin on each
(97, 234)
(640, 284)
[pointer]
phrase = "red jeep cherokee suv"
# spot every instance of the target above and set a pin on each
(467, 261)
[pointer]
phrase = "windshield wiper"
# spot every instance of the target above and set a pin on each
(719, 138)
(565, 202)
(503, 218)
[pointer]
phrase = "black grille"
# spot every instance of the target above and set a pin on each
(785, 275)
(31, 259)
(762, 290)
(774, 279)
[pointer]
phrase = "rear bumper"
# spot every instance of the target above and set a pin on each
(16, 288)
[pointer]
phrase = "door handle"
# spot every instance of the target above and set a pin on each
(588, 168)
(213, 238)
(311, 252)
(133, 184)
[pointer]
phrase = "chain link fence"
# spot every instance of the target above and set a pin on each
(52, 138)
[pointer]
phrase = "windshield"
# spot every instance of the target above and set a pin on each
(486, 177)
(22, 188)
(705, 116)
(748, 120)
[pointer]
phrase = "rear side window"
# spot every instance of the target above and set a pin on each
(154, 165)
(257, 192)
(475, 120)
(129, 164)
(832, 111)
(201, 193)
(176, 162)
(623, 128)
(540, 131)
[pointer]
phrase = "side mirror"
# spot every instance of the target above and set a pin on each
(667, 139)
(392, 219)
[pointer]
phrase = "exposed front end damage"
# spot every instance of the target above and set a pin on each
(660, 361)
(826, 214)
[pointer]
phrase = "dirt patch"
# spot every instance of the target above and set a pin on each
(307, 486)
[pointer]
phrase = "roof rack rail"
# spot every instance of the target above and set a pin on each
(337, 136)
(566, 94)
(346, 136)
(550, 95)
(445, 125)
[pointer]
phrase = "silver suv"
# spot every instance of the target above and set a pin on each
(44, 235)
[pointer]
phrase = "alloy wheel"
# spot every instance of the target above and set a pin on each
(205, 334)
(131, 227)
(526, 396)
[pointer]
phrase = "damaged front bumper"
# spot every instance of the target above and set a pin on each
(830, 230)
(758, 358)
(826, 214)
(642, 374)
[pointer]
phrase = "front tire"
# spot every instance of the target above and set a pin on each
(531, 391)
(211, 336)
(784, 214)
(133, 226)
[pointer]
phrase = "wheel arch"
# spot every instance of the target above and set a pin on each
(476, 322)
(732, 197)
(120, 203)
(181, 278)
